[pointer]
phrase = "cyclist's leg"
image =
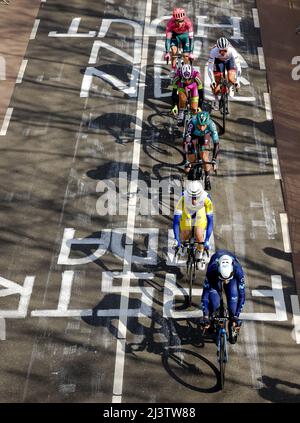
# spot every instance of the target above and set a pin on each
(194, 97)
(185, 227)
(185, 42)
(182, 104)
(232, 294)
(218, 73)
(204, 155)
(200, 226)
(174, 50)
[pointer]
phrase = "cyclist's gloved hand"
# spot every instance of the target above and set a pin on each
(167, 56)
(206, 322)
(176, 244)
(191, 56)
(213, 85)
(236, 321)
(174, 110)
(206, 245)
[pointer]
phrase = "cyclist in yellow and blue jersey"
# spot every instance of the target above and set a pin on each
(194, 209)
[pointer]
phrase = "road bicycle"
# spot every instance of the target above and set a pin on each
(220, 325)
(193, 264)
(224, 103)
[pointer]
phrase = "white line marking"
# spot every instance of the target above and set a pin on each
(6, 121)
(285, 233)
(255, 18)
(22, 71)
(34, 29)
(122, 328)
(2, 329)
(276, 167)
(261, 58)
(296, 317)
(268, 106)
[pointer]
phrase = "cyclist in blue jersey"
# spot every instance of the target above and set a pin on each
(201, 128)
(224, 267)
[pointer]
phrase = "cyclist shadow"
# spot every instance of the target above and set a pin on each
(278, 390)
(164, 337)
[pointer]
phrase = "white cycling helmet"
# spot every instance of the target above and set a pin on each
(186, 71)
(194, 189)
(222, 43)
(225, 267)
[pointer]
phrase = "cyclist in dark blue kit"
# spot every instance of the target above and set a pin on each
(225, 268)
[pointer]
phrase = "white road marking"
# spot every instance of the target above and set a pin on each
(34, 29)
(22, 71)
(275, 160)
(122, 327)
(73, 31)
(2, 68)
(255, 18)
(9, 287)
(268, 108)
(2, 329)
(6, 121)
(285, 233)
(296, 317)
(261, 58)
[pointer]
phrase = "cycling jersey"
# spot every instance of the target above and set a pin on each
(180, 82)
(183, 34)
(211, 129)
(230, 55)
(188, 215)
(234, 289)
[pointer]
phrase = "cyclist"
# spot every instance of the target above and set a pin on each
(224, 267)
(223, 56)
(179, 30)
(194, 209)
(187, 79)
(200, 129)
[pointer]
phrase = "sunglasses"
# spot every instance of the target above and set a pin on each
(179, 20)
(223, 51)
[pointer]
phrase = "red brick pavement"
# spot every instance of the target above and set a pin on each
(279, 20)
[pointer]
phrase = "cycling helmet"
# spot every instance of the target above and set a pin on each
(194, 189)
(202, 118)
(178, 13)
(225, 267)
(222, 43)
(186, 71)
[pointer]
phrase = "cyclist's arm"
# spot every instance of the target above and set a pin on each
(241, 288)
(205, 297)
(237, 63)
(168, 37)
(210, 68)
(190, 129)
(176, 227)
(210, 217)
(215, 138)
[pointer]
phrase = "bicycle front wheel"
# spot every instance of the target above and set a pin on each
(191, 278)
(222, 360)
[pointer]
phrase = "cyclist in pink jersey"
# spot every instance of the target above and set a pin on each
(187, 79)
(179, 31)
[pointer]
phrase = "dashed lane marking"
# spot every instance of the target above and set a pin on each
(261, 58)
(276, 167)
(22, 71)
(34, 29)
(255, 18)
(285, 233)
(268, 108)
(6, 121)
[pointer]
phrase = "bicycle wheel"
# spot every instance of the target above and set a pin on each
(222, 360)
(223, 110)
(191, 277)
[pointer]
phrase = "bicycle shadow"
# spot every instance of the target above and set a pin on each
(164, 337)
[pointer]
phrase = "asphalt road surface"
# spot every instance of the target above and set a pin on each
(92, 308)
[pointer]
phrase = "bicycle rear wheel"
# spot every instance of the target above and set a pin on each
(223, 110)
(222, 360)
